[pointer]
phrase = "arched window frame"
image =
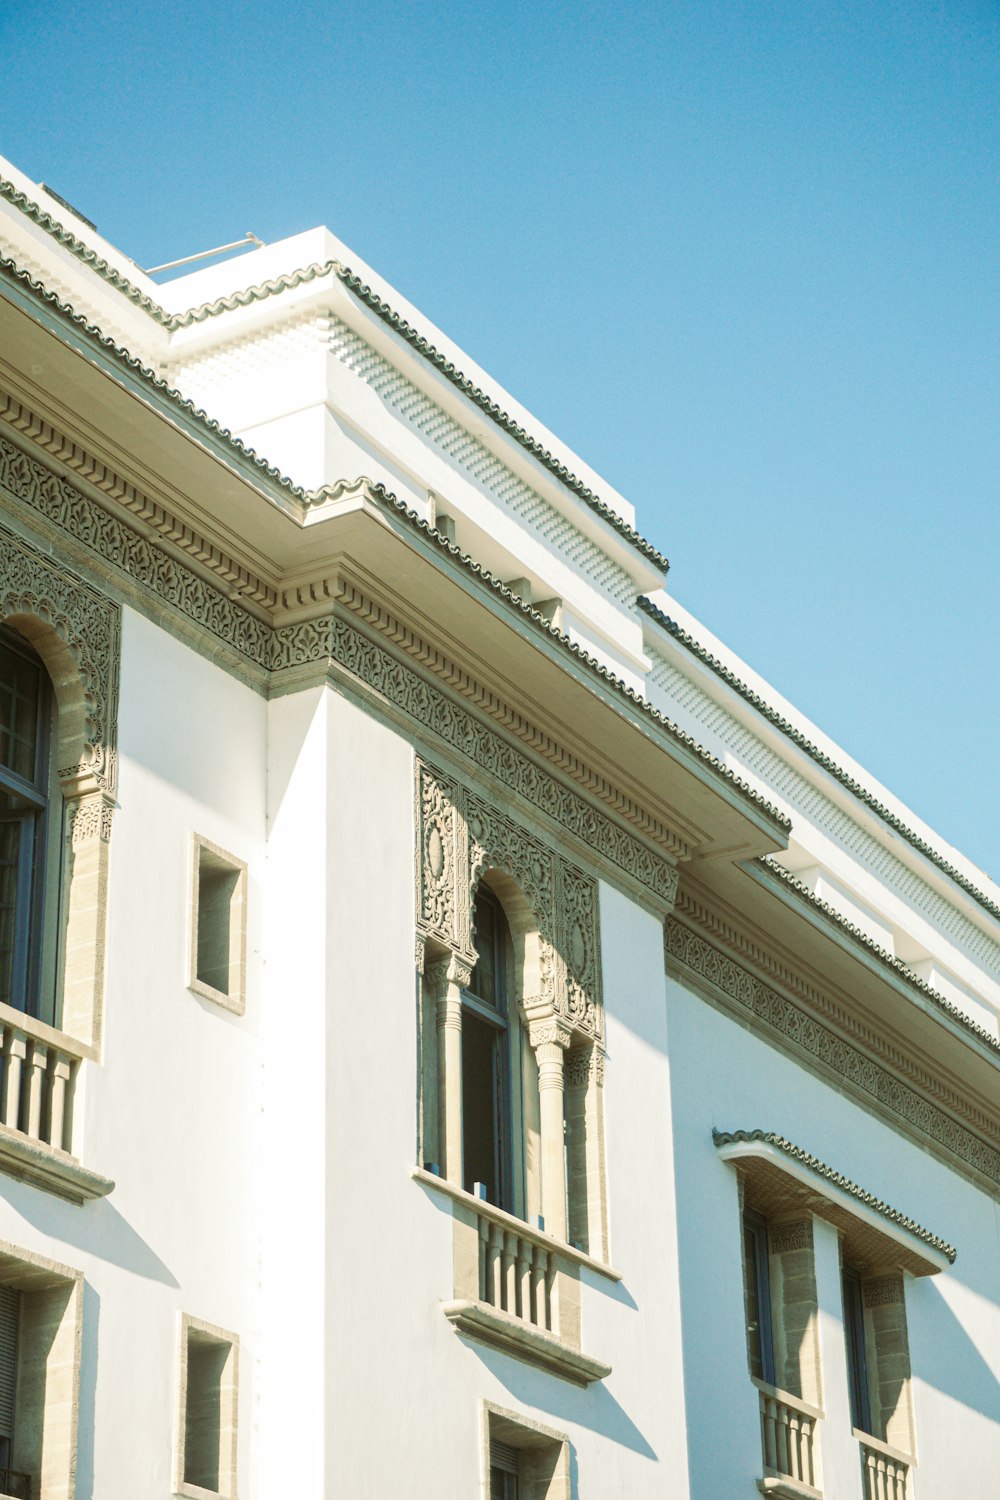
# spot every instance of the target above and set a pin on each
(75, 632)
(552, 911)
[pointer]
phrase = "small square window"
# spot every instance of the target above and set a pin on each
(218, 926)
(206, 1450)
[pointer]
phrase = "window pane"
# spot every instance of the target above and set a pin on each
(854, 1340)
(20, 684)
(480, 1101)
(17, 858)
(486, 974)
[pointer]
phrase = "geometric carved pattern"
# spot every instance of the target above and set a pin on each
(324, 640)
(460, 836)
(785, 1237)
(89, 625)
(495, 756)
(883, 1291)
(806, 1035)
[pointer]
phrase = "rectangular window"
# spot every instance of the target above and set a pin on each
(522, 1458)
(207, 1457)
(857, 1360)
(503, 1471)
(757, 1290)
(218, 923)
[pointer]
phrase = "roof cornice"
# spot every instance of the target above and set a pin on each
(821, 758)
(885, 958)
(382, 309)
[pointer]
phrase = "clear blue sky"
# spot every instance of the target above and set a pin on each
(741, 256)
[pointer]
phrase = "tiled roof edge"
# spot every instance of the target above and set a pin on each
(502, 419)
(82, 251)
(819, 756)
(831, 1175)
(674, 730)
(882, 954)
(312, 497)
(13, 271)
(287, 282)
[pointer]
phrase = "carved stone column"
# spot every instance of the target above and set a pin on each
(550, 1040)
(585, 1148)
(449, 976)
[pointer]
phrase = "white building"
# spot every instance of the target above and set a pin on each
(463, 1033)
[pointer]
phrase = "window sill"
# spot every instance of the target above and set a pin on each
(45, 1167)
(524, 1230)
(878, 1446)
(779, 1487)
(185, 1491)
(477, 1320)
(236, 1006)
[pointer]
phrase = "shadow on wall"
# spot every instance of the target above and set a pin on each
(594, 1408)
(97, 1229)
(88, 1393)
(943, 1355)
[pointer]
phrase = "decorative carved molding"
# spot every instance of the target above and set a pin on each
(89, 626)
(495, 756)
(461, 836)
(882, 1291)
(549, 1033)
(90, 818)
(783, 1238)
(815, 1043)
(826, 1004)
(328, 639)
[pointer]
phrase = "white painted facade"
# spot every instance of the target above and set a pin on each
(269, 1159)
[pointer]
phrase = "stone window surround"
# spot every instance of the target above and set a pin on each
(76, 631)
(532, 1439)
(790, 1194)
(234, 999)
(552, 911)
(228, 1415)
(48, 1387)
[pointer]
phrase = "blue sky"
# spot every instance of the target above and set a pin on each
(741, 256)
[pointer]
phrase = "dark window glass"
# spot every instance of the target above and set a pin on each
(854, 1340)
(757, 1289)
(486, 1131)
(503, 1485)
(25, 709)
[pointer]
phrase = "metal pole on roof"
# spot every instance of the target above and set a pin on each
(185, 260)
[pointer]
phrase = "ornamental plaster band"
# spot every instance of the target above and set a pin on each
(713, 972)
(274, 658)
(76, 631)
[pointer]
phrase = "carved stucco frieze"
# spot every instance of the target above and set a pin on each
(461, 836)
(328, 640)
(883, 1291)
(816, 1043)
(35, 587)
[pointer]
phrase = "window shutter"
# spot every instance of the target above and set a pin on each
(10, 1313)
(503, 1456)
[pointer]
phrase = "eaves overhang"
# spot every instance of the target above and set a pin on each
(633, 550)
(871, 986)
(783, 1178)
(952, 882)
(289, 543)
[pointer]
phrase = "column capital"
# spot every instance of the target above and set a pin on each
(551, 1032)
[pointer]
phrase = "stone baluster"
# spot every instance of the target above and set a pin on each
(36, 1089)
(509, 1303)
(524, 1258)
(59, 1083)
(15, 1054)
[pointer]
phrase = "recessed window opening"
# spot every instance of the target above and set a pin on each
(209, 1410)
(487, 1147)
(219, 925)
(30, 832)
(11, 1482)
(757, 1286)
(504, 1468)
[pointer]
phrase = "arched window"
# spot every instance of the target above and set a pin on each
(487, 1017)
(30, 831)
